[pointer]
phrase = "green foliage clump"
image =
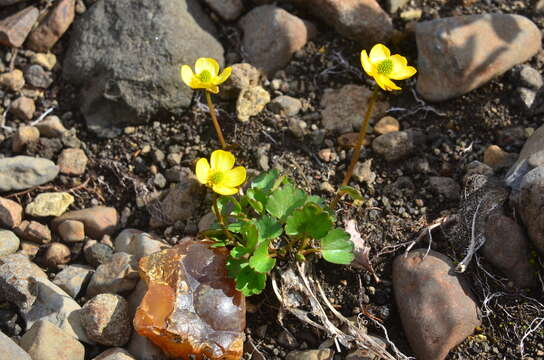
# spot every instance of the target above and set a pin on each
(275, 219)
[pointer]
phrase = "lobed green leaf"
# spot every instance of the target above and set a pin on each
(337, 247)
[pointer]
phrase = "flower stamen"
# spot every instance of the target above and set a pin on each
(216, 177)
(385, 67)
(205, 76)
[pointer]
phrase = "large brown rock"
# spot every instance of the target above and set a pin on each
(11, 213)
(507, 248)
(15, 28)
(436, 306)
(98, 220)
(53, 26)
(459, 54)
(361, 20)
(272, 36)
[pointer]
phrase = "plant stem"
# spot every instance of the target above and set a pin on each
(309, 251)
(221, 220)
(358, 145)
(214, 119)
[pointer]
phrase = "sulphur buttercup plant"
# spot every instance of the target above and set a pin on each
(208, 78)
(272, 219)
(383, 68)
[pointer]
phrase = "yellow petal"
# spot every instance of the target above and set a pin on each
(400, 69)
(378, 53)
(385, 83)
(187, 75)
(222, 160)
(234, 177)
(212, 88)
(367, 65)
(223, 77)
(207, 64)
(202, 170)
(224, 190)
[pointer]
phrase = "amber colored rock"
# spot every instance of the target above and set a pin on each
(191, 307)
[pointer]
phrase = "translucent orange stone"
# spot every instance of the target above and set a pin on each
(191, 307)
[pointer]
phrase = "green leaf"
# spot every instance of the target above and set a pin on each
(250, 234)
(261, 260)
(218, 244)
(265, 181)
(316, 199)
(352, 192)
(257, 199)
(337, 247)
(311, 221)
(235, 266)
(239, 252)
(268, 228)
(284, 201)
(249, 282)
(235, 227)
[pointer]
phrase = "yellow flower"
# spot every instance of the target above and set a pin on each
(383, 67)
(206, 75)
(220, 176)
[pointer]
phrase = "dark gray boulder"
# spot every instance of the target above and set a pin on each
(126, 57)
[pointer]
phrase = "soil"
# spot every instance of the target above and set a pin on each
(397, 206)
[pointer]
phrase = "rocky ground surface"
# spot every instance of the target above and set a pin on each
(98, 140)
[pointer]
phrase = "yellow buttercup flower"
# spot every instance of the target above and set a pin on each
(206, 75)
(219, 174)
(383, 67)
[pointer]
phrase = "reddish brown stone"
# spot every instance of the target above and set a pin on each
(23, 108)
(72, 162)
(11, 213)
(15, 28)
(436, 305)
(34, 231)
(99, 220)
(361, 20)
(52, 27)
(191, 307)
(507, 248)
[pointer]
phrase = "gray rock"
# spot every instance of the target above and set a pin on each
(145, 349)
(137, 243)
(51, 127)
(10, 350)
(272, 36)
(73, 279)
(97, 253)
(131, 83)
(436, 305)
(530, 205)
(398, 144)
(45, 341)
(528, 77)
(461, 53)
(119, 275)
(445, 186)
(285, 105)
(23, 172)
(106, 320)
(507, 248)
(180, 202)
(227, 9)
(36, 76)
(342, 108)
(27, 286)
(533, 145)
(9, 242)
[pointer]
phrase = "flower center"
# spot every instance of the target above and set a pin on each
(216, 177)
(385, 67)
(205, 76)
